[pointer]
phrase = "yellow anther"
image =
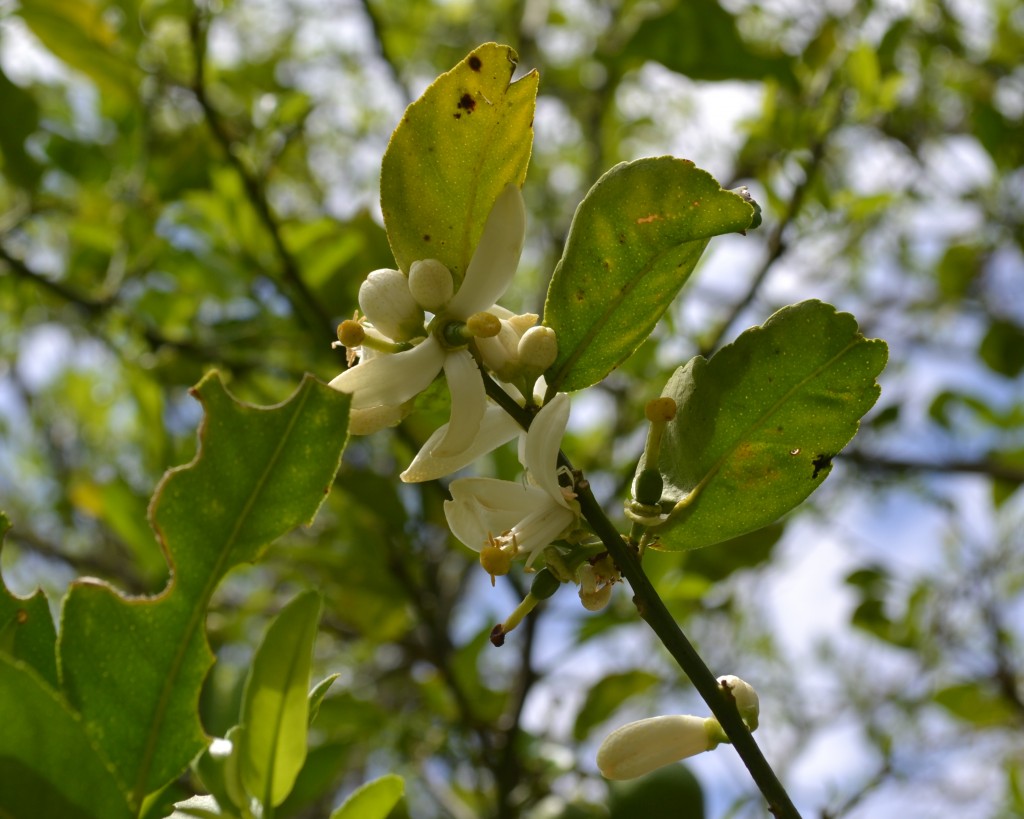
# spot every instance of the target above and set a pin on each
(483, 325)
(351, 333)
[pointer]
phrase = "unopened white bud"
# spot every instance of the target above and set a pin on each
(538, 349)
(431, 284)
(745, 697)
(385, 300)
(640, 747)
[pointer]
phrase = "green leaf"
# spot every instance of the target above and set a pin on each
(458, 146)
(634, 241)
(1002, 348)
(977, 704)
(134, 666)
(275, 705)
(80, 33)
(26, 626)
(374, 800)
(48, 764)
(700, 39)
(672, 792)
(758, 425)
(21, 118)
(605, 697)
(316, 696)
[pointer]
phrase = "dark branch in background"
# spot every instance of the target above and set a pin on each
(300, 296)
(991, 469)
(88, 305)
(652, 609)
(382, 49)
(99, 564)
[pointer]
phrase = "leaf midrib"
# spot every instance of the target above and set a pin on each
(716, 467)
(199, 611)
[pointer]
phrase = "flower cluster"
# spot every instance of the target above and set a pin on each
(414, 326)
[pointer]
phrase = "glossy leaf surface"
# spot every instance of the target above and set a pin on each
(458, 146)
(634, 241)
(275, 706)
(759, 423)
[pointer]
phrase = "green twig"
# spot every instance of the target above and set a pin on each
(652, 609)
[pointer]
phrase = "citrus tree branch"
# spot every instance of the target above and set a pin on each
(654, 612)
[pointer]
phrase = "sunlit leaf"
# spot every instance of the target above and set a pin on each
(275, 706)
(458, 146)
(134, 666)
(634, 241)
(374, 800)
(758, 424)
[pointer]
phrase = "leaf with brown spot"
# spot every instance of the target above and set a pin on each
(458, 146)
(755, 423)
(634, 241)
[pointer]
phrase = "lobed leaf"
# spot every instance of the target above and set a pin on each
(26, 626)
(134, 666)
(457, 147)
(634, 241)
(758, 425)
(48, 763)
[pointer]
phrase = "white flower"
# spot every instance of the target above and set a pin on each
(391, 306)
(520, 518)
(640, 747)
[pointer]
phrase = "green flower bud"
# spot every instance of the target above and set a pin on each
(648, 487)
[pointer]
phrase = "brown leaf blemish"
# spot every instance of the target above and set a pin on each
(474, 62)
(467, 103)
(646, 220)
(21, 617)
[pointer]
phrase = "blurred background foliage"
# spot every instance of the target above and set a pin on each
(188, 186)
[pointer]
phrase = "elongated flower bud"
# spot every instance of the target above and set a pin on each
(385, 300)
(640, 747)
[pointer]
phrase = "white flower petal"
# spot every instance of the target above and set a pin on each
(373, 419)
(392, 379)
(496, 428)
(542, 527)
(539, 453)
(496, 257)
(641, 747)
(481, 507)
(385, 300)
(469, 400)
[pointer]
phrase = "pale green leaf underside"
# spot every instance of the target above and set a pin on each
(48, 764)
(634, 241)
(134, 666)
(374, 800)
(758, 425)
(275, 706)
(458, 146)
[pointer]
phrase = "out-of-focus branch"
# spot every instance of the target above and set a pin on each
(106, 567)
(295, 288)
(990, 468)
(87, 304)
